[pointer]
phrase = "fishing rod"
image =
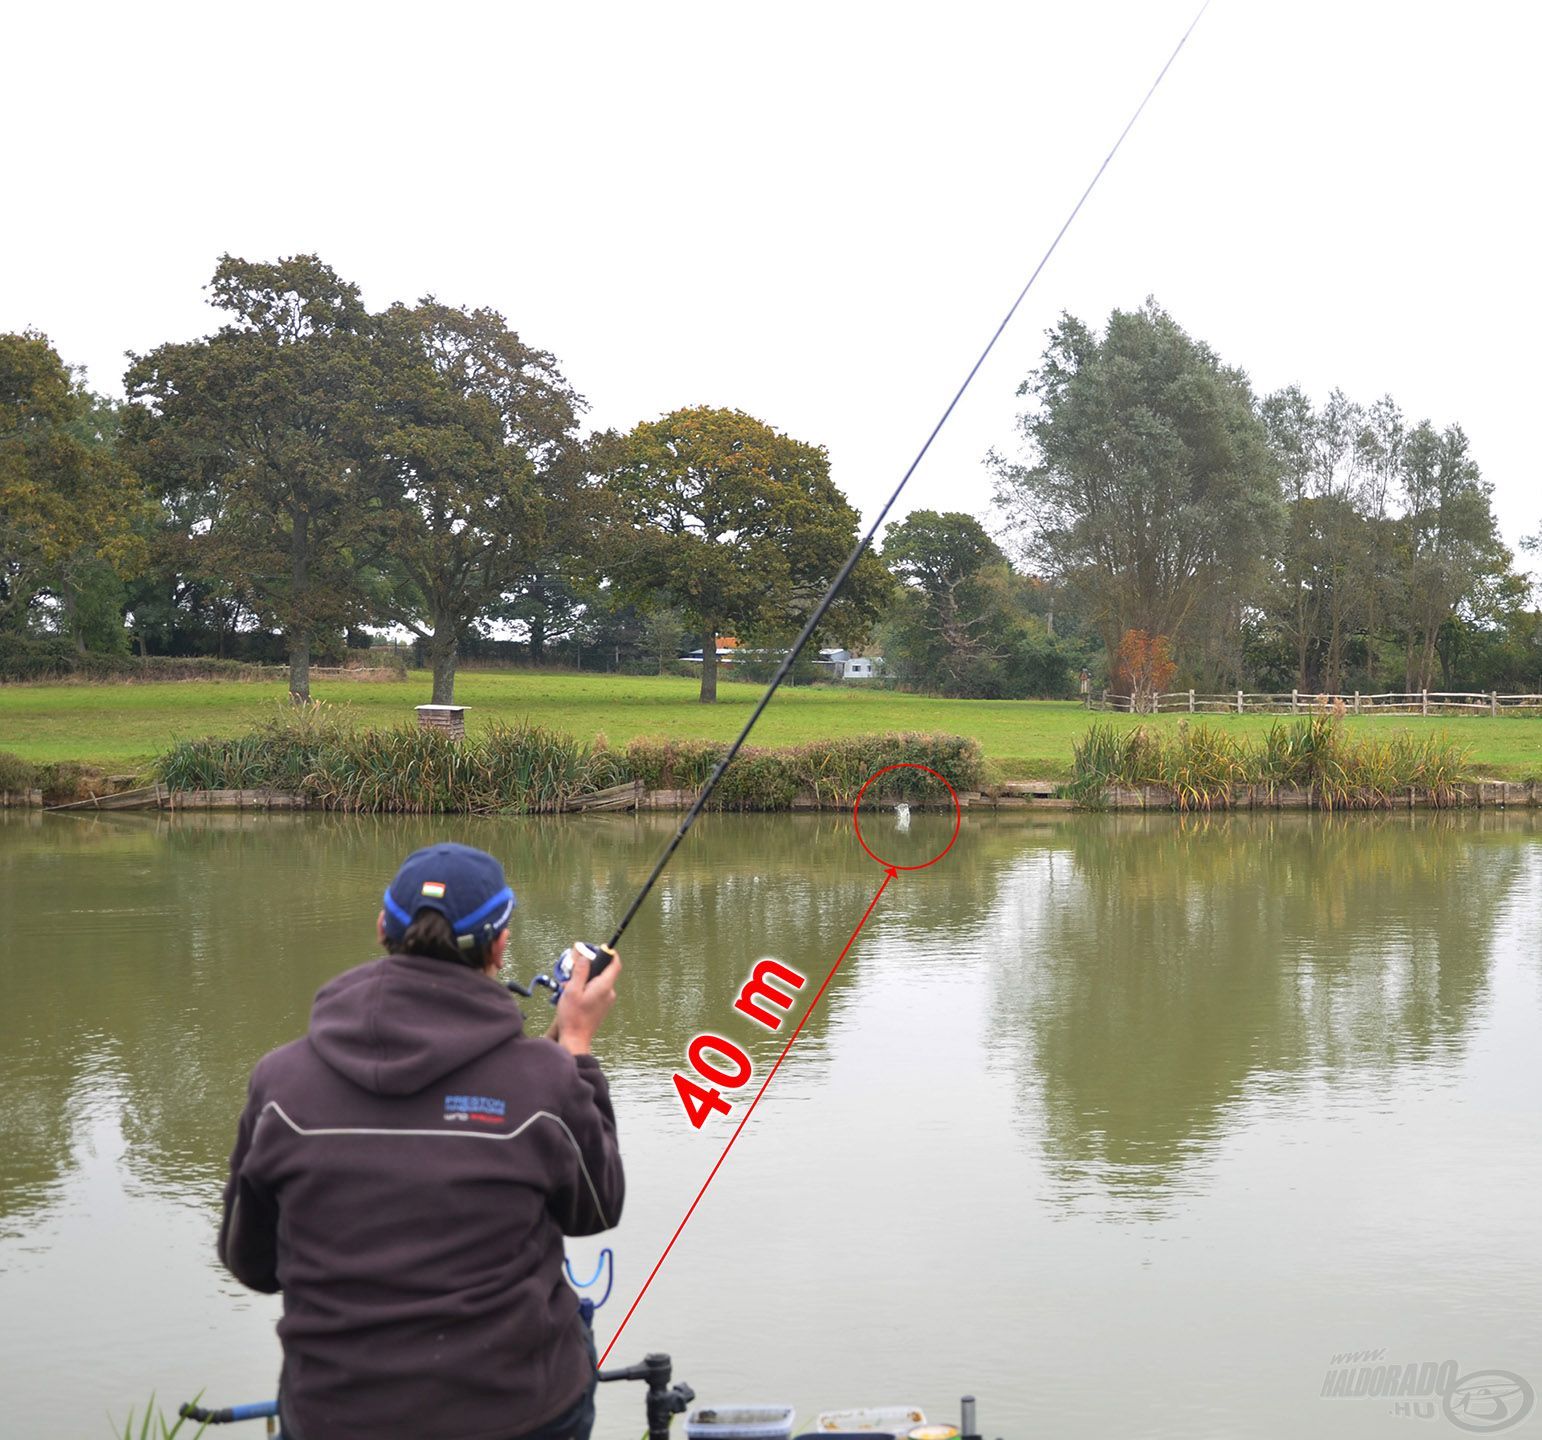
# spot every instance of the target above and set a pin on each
(600, 955)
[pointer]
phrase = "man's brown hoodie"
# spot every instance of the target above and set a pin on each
(404, 1174)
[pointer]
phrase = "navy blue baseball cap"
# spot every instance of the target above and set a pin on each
(464, 885)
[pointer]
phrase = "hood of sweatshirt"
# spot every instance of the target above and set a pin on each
(395, 1026)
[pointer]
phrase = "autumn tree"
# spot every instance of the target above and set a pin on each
(479, 465)
(257, 435)
(733, 523)
(70, 508)
(1143, 667)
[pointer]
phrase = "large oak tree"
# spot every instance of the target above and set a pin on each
(735, 524)
(257, 434)
(480, 470)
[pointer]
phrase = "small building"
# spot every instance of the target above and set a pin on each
(841, 664)
(832, 662)
(727, 647)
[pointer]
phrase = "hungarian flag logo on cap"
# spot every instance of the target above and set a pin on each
(433, 889)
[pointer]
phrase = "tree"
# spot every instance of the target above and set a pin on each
(175, 611)
(1143, 667)
(1148, 484)
(1331, 554)
(1453, 553)
(964, 623)
(69, 507)
(734, 523)
(663, 630)
(545, 606)
(478, 458)
(257, 436)
(947, 633)
(938, 553)
(1382, 443)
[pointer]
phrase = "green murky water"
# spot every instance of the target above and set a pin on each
(1126, 1125)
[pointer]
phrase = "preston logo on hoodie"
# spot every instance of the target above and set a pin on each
(482, 1108)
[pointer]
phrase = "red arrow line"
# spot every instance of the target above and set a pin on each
(748, 1111)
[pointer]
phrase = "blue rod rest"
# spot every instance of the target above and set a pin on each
(606, 1267)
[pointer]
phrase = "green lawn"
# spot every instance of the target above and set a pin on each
(120, 726)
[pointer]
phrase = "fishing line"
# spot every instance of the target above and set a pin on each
(851, 560)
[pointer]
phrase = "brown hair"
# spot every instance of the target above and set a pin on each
(429, 934)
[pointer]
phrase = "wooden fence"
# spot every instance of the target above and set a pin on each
(1300, 702)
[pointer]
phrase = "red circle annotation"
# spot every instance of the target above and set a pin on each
(856, 815)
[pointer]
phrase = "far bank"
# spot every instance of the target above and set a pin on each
(322, 758)
(120, 728)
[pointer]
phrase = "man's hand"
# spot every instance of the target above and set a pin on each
(584, 1004)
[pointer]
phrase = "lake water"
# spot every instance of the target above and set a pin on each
(1126, 1125)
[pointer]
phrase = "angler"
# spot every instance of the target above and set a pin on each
(406, 1171)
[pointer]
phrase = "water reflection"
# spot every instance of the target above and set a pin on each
(1166, 970)
(1145, 973)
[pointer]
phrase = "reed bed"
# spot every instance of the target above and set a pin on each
(832, 771)
(321, 752)
(16, 774)
(1205, 766)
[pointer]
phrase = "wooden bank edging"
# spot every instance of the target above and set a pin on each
(1467, 794)
(1010, 795)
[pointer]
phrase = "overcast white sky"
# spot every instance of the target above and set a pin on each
(813, 212)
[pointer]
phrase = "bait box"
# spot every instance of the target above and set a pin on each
(891, 1420)
(740, 1422)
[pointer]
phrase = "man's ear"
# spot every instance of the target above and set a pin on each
(496, 950)
(380, 927)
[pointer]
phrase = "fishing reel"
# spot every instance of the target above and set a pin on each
(599, 956)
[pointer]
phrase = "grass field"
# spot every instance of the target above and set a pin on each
(120, 726)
